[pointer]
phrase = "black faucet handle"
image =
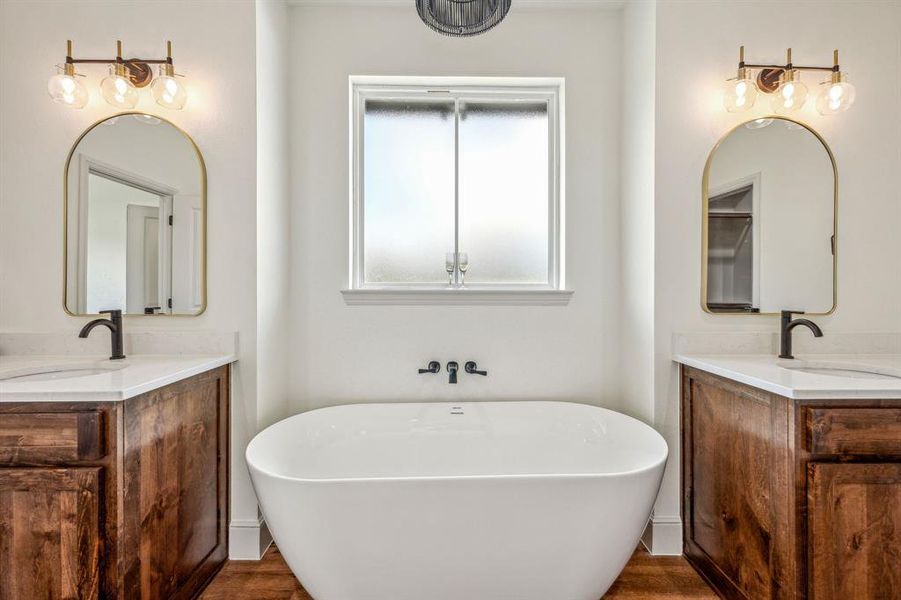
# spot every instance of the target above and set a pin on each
(114, 313)
(472, 368)
(434, 367)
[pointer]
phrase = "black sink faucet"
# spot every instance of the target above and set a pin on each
(787, 324)
(452, 370)
(114, 323)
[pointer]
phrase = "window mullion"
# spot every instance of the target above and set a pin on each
(457, 278)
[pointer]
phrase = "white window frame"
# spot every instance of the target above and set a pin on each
(460, 89)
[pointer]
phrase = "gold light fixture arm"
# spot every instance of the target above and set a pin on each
(788, 63)
(743, 72)
(69, 66)
(97, 61)
(137, 70)
(120, 64)
(770, 75)
(168, 67)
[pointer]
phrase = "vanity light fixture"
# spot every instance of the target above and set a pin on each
(741, 92)
(64, 88)
(167, 90)
(120, 87)
(117, 88)
(791, 93)
(837, 95)
(788, 93)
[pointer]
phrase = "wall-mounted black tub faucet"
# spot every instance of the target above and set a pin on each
(787, 325)
(472, 368)
(434, 367)
(452, 370)
(114, 323)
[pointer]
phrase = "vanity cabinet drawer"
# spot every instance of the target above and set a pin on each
(50, 438)
(855, 430)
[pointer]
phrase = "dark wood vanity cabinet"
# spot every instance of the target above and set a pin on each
(790, 498)
(124, 500)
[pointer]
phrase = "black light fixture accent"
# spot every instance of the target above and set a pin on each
(462, 18)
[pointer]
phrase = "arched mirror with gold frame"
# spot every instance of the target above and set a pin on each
(769, 198)
(135, 210)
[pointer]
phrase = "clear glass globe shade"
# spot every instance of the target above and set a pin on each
(118, 91)
(739, 95)
(168, 92)
(789, 96)
(67, 90)
(835, 98)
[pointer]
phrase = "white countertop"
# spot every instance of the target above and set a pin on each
(768, 372)
(118, 379)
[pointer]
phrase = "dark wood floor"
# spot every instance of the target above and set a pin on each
(646, 576)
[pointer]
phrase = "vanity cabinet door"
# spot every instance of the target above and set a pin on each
(50, 534)
(728, 516)
(854, 516)
(174, 508)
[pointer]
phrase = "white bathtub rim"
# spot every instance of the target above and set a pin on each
(428, 478)
(481, 477)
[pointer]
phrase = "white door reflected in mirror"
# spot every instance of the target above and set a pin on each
(769, 210)
(135, 202)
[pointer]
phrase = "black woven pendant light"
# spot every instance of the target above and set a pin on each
(462, 18)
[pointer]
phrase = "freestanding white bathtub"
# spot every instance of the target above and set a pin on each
(471, 501)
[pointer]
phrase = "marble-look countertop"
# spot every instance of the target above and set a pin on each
(116, 379)
(770, 373)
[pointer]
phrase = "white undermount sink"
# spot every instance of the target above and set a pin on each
(58, 371)
(837, 369)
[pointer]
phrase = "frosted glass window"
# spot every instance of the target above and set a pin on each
(504, 185)
(456, 186)
(408, 191)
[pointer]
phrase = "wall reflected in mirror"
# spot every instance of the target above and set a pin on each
(135, 221)
(769, 205)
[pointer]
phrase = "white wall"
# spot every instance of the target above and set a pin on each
(214, 46)
(637, 209)
(697, 49)
(273, 218)
(346, 354)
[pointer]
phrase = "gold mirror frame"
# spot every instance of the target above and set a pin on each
(203, 228)
(705, 201)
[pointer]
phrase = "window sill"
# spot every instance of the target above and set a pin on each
(456, 297)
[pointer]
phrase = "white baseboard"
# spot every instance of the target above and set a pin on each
(663, 536)
(248, 539)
